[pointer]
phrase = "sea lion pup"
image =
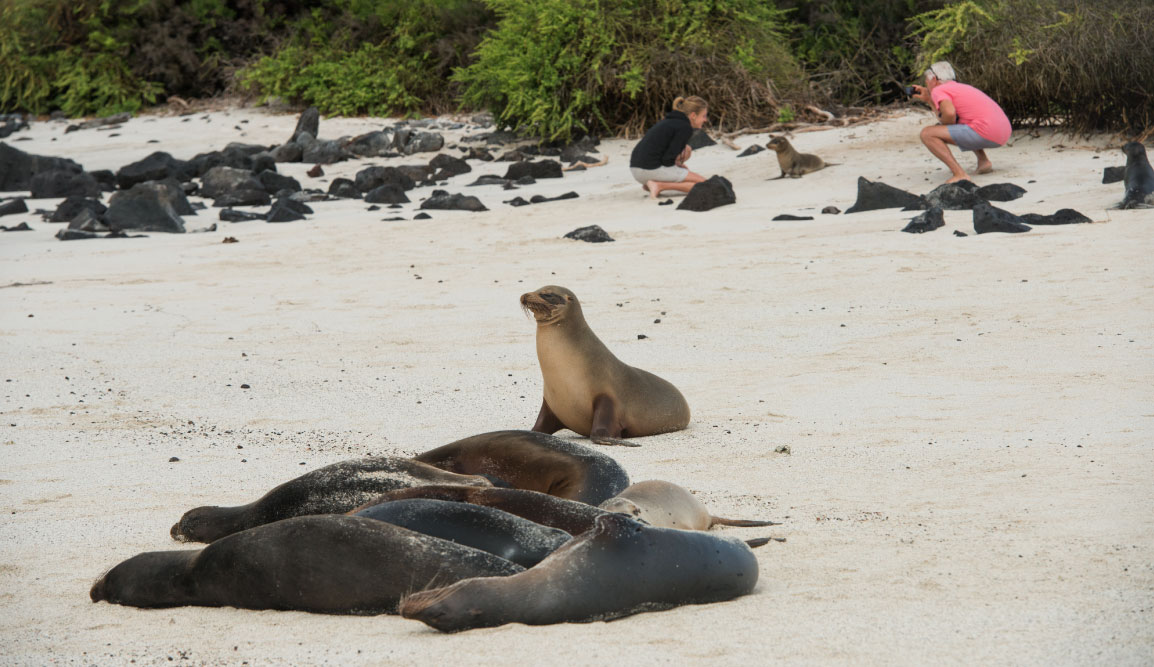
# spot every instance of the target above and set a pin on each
(620, 567)
(568, 515)
(333, 489)
(486, 528)
(328, 563)
(533, 461)
(792, 163)
(587, 389)
(1139, 177)
(667, 505)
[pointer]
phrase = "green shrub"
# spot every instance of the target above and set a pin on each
(71, 55)
(1085, 64)
(372, 56)
(559, 68)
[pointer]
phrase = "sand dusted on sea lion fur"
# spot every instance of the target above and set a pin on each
(619, 567)
(588, 390)
(333, 489)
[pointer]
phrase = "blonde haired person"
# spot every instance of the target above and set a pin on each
(658, 160)
(969, 119)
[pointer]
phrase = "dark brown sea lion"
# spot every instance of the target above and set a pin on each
(667, 505)
(334, 489)
(587, 389)
(328, 563)
(486, 528)
(568, 515)
(792, 163)
(620, 567)
(1139, 177)
(533, 461)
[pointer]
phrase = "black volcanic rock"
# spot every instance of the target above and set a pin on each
(389, 193)
(453, 202)
(590, 234)
(1113, 174)
(243, 197)
(156, 167)
(343, 187)
(13, 206)
(960, 196)
(927, 221)
(717, 191)
(17, 167)
(752, 150)
(146, 206)
(1065, 216)
(63, 183)
(1001, 192)
(287, 210)
(22, 227)
(788, 216)
(371, 178)
(449, 165)
(988, 219)
(220, 181)
(371, 144)
(309, 121)
(274, 182)
(231, 215)
(71, 206)
(489, 179)
(539, 169)
(699, 139)
(66, 234)
(873, 196)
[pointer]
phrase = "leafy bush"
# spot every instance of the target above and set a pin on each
(559, 68)
(1085, 64)
(69, 55)
(373, 56)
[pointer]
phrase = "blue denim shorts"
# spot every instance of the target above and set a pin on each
(968, 140)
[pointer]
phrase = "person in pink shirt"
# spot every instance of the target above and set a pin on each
(969, 119)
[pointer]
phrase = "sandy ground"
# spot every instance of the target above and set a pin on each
(970, 420)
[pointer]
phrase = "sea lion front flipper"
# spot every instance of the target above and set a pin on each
(547, 422)
(606, 427)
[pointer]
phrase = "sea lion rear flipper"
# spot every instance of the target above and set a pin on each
(762, 541)
(745, 523)
(605, 440)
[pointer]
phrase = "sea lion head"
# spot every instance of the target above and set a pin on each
(550, 304)
(204, 524)
(621, 506)
(1134, 150)
(778, 144)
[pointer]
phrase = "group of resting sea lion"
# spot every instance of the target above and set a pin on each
(502, 527)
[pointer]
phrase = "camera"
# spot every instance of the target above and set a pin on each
(911, 91)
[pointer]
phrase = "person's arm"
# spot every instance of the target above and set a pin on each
(676, 144)
(947, 114)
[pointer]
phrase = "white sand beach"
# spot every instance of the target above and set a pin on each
(969, 421)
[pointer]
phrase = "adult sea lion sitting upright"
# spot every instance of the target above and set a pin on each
(587, 389)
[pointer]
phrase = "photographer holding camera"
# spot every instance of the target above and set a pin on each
(969, 119)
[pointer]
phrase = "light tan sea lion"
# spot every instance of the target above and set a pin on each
(794, 164)
(587, 389)
(667, 505)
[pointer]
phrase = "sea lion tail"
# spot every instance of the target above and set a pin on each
(762, 541)
(744, 523)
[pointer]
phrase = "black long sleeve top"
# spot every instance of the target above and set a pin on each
(663, 142)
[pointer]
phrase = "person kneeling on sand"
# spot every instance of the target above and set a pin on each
(969, 119)
(658, 160)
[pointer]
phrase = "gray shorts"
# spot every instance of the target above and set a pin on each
(968, 140)
(672, 174)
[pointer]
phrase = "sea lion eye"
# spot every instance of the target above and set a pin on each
(552, 298)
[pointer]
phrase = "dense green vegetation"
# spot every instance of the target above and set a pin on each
(560, 68)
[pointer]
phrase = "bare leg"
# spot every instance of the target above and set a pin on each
(657, 187)
(984, 164)
(547, 422)
(936, 138)
(606, 429)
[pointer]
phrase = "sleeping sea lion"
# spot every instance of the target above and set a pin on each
(533, 461)
(333, 489)
(587, 389)
(486, 528)
(620, 567)
(325, 563)
(792, 163)
(667, 505)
